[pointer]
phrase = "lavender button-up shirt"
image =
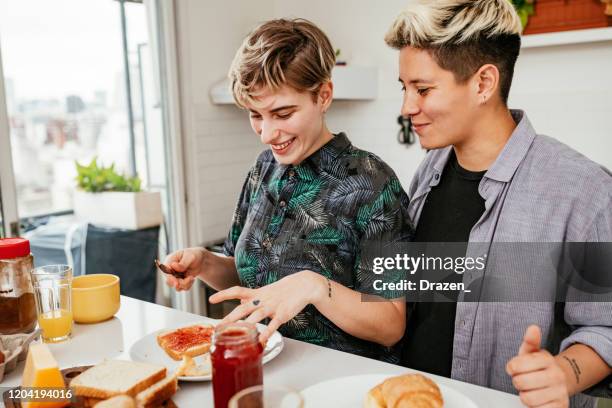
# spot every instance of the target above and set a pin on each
(538, 190)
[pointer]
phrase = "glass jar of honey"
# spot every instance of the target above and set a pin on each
(236, 360)
(17, 305)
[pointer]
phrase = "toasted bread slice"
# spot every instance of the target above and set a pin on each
(188, 341)
(116, 377)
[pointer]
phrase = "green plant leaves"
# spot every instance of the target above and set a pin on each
(95, 179)
(524, 8)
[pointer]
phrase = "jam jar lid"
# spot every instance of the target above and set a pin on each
(11, 248)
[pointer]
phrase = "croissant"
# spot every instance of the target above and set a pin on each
(405, 391)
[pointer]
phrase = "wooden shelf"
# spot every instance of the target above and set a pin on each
(350, 83)
(591, 35)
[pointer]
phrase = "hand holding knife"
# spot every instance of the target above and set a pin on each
(169, 271)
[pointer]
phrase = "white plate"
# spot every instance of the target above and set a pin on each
(350, 392)
(148, 351)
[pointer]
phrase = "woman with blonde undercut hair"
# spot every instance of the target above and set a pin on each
(488, 180)
(310, 206)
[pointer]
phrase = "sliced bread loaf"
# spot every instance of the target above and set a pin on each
(116, 377)
(120, 401)
(159, 392)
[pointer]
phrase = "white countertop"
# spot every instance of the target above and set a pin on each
(298, 366)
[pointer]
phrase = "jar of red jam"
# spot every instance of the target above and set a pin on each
(236, 360)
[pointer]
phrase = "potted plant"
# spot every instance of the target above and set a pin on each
(339, 61)
(524, 8)
(563, 15)
(105, 197)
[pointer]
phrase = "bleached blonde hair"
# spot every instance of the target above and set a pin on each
(281, 52)
(462, 35)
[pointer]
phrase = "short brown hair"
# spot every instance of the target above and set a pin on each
(281, 52)
(462, 36)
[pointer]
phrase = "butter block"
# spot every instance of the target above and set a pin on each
(42, 371)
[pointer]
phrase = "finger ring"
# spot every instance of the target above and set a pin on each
(256, 302)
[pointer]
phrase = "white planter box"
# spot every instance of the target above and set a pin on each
(118, 209)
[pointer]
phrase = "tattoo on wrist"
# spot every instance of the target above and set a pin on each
(575, 368)
(328, 288)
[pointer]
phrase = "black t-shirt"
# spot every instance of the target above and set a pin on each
(451, 209)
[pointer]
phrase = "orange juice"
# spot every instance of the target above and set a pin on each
(56, 325)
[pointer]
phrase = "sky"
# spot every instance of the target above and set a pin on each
(54, 48)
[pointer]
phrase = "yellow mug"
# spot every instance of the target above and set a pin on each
(95, 297)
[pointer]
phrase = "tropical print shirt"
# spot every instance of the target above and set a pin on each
(319, 216)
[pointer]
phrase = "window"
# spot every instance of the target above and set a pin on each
(65, 88)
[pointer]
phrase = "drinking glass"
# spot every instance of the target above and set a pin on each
(52, 291)
(266, 396)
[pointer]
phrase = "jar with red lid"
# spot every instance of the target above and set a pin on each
(17, 305)
(236, 357)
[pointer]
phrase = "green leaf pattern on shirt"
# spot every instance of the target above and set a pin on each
(318, 216)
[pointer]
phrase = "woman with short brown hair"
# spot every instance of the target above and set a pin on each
(309, 208)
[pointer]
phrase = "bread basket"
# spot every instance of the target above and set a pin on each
(15, 349)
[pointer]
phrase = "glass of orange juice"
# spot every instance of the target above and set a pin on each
(52, 291)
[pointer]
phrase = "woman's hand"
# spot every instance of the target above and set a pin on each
(280, 301)
(188, 260)
(537, 375)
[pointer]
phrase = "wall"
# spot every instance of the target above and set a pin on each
(564, 90)
(567, 92)
(219, 144)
